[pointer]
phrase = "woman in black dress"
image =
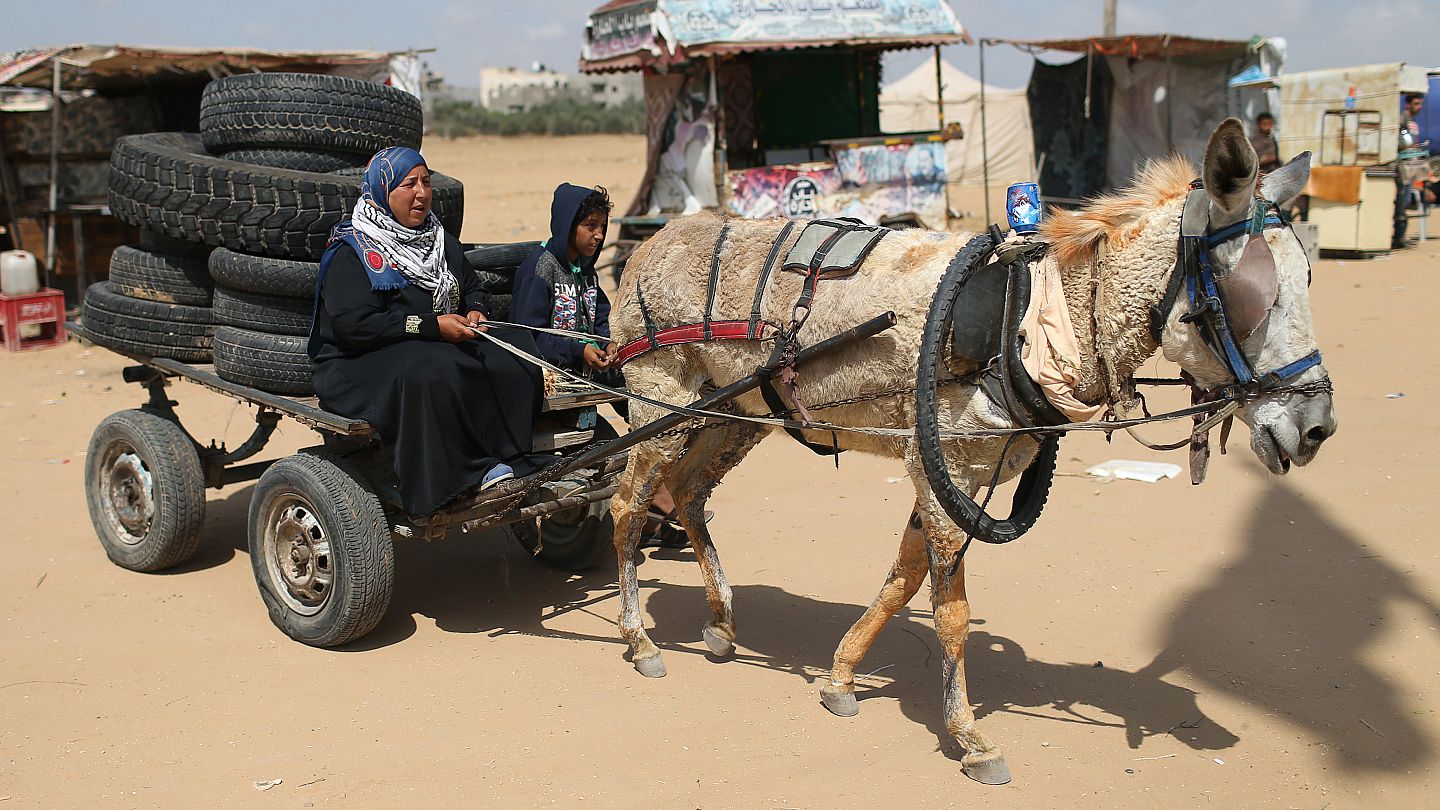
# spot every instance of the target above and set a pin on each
(393, 342)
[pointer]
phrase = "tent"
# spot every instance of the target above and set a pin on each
(1133, 97)
(909, 105)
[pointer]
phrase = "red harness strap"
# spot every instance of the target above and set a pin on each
(691, 333)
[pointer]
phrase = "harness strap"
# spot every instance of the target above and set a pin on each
(714, 275)
(807, 293)
(764, 282)
(650, 329)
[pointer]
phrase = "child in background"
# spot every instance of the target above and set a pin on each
(557, 287)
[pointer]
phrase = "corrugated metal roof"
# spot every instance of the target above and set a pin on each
(630, 34)
(97, 66)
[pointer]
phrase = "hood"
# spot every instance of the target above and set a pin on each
(563, 209)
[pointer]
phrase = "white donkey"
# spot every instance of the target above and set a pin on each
(1115, 258)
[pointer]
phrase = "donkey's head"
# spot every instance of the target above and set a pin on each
(1262, 287)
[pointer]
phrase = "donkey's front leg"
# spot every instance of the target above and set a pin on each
(628, 506)
(839, 694)
(983, 760)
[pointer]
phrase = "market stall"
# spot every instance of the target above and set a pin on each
(765, 109)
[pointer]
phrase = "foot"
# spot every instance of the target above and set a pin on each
(498, 473)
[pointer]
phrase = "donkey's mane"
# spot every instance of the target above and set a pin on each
(1074, 236)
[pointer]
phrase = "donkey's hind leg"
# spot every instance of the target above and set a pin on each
(648, 464)
(709, 455)
(900, 586)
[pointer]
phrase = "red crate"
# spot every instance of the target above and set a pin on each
(45, 308)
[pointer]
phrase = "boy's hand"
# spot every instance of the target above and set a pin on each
(595, 358)
(612, 352)
(454, 328)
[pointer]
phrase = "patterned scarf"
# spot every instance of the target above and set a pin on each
(418, 253)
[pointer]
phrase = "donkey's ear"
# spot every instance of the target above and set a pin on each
(1230, 168)
(1285, 183)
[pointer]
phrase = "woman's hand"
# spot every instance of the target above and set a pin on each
(455, 328)
(476, 318)
(595, 357)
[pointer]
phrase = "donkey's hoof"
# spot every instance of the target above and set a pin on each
(990, 771)
(840, 702)
(720, 646)
(652, 667)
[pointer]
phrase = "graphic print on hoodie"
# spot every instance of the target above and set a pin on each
(550, 292)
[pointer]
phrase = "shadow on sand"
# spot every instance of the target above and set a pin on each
(1286, 627)
(1289, 627)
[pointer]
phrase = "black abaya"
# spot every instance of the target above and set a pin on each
(448, 411)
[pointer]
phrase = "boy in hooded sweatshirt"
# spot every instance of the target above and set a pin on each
(557, 286)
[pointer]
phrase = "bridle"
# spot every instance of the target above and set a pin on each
(1250, 288)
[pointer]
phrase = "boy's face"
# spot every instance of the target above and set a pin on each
(590, 234)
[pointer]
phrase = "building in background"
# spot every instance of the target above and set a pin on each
(510, 89)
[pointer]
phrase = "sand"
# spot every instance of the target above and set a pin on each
(1253, 642)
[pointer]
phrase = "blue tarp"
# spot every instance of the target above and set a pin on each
(1429, 119)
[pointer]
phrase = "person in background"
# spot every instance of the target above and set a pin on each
(1409, 139)
(557, 287)
(1267, 148)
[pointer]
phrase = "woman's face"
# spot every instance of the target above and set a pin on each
(410, 201)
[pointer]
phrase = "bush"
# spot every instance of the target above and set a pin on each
(561, 117)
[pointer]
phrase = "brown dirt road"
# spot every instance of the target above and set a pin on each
(1255, 642)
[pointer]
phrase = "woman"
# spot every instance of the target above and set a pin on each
(394, 343)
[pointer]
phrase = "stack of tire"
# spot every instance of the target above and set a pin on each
(157, 302)
(276, 165)
(495, 266)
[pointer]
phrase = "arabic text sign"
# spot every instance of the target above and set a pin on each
(697, 21)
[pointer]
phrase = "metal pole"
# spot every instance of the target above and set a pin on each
(721, 156)
(54, 168)
(1108, 27)
(939, 94)
(984, 135)
(1169, 100)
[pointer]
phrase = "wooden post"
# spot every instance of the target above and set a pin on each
(939, 94)
(54, 168)
(1108, 26)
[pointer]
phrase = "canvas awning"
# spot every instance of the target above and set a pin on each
(111, 67)
(1138, 46)
(631, 34)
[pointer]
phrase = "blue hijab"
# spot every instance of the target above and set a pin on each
(383, 173)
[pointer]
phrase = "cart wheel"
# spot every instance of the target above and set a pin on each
(145, 489)
(321, 549)
(573, 540)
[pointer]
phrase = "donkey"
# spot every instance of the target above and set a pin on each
(1114, 257)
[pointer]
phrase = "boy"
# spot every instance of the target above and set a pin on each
(557, 287)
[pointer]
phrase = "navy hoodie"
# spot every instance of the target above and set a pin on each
(550, 292)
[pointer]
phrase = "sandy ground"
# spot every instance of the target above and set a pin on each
(1255, 642)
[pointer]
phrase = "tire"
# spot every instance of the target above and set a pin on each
(275, 314)
(300, 160)
(307, 111)
(159, 277)
(506, 256)
(274, 363)
(573, 540)
(147, 328)
(145, 488)
(165, 181)
(500, 307)
(495, 281)
(261, 274)
(321, 550)
(156, 242)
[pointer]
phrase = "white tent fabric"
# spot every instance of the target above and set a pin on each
(908, 104)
